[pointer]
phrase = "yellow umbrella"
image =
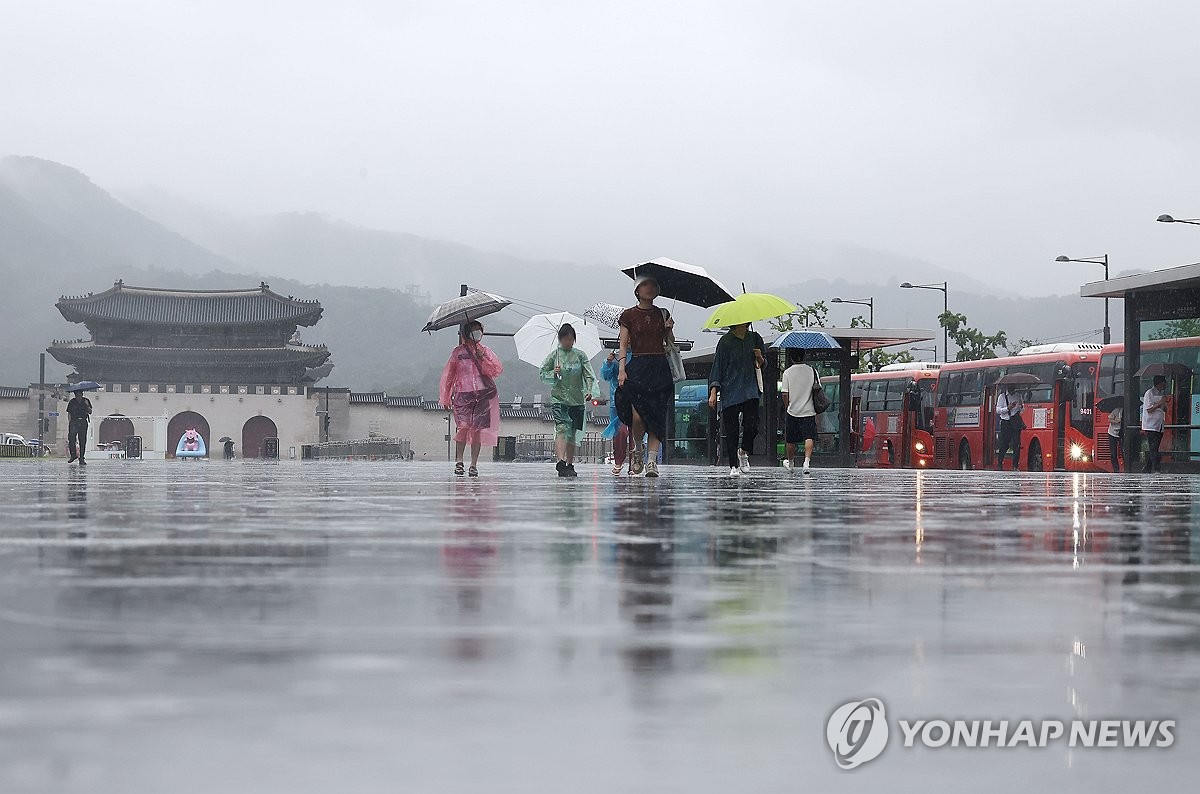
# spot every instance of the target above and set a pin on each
(749, 308)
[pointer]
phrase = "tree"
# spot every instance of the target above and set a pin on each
(1177, 329)
(972, 343)
(812, 315)
(877, 359)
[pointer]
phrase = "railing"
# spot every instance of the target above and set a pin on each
(594, 449)
(364, 449)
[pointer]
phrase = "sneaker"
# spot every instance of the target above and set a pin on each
(561, 467)
(735, 472)
(82, 462)
(72, 459)
(652, 468)
(636, 462)
(571, 470)
(788, 466)
(744, 461)
(806, 469)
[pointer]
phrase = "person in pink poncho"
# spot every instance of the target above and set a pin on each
(468, 388)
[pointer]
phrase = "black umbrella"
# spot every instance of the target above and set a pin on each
(1019, 379)
(1166, 370)
(682, 282)
(1110, 402)
(224, 439)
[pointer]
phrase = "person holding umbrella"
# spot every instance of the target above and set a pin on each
(79, 409)
(1008, 411)
(573, 381)
(644, 385)
(228, 442)
(1154, 417)
(735, 375)
(468, 388)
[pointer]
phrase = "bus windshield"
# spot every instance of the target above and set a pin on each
(1083, 397)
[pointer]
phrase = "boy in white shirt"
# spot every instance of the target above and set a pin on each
(801, 421)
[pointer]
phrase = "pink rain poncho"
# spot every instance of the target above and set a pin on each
(468, 388)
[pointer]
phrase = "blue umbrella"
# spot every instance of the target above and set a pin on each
(806, 340)
(84, 385)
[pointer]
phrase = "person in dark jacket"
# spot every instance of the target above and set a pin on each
(79, 409)
(734, 376)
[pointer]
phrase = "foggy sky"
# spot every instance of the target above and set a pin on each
(984, 137)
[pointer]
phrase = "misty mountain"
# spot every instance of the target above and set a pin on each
(62, 234)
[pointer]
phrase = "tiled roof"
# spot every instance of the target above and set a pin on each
(432, 405)
(404, 402)
(84, 352)
(123, 303)
(520, 413)
(364, 397)
(14, 392)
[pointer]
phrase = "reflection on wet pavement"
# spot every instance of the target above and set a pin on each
(197, 627)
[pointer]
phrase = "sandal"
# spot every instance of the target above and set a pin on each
(472, 472)
(459, 471)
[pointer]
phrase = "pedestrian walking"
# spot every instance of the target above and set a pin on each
(79, 411)
(228, 442)
(1008, 411)
(617, 431)
(573, 382)
(1116, 418)
(1154, 419)
(644, 385)
(734, 376)
(800, 424)
(468, 389)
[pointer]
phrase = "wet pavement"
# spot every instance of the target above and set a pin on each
(360, 627)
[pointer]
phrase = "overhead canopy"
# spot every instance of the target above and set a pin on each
(857, 340)
(1182, 277)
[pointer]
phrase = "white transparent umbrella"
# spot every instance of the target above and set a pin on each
(539, 337)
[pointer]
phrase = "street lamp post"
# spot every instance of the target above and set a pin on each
(932, 350)
(1098, 260)
(868, 302)
(1169, 219)
(945, 289)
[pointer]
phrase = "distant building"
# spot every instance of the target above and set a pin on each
(162, 336)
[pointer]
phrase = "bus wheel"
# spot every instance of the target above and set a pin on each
(964, 457)
(1035, 462)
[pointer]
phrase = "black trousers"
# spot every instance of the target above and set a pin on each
(77, 437)
(739, 436)
(1009, 437)
(1114, 452)
(1153, 453)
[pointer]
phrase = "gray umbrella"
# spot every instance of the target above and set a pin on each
(468, 307)
(1165, 369)
(604, 313)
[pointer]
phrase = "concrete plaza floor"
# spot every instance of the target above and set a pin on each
(383, 627)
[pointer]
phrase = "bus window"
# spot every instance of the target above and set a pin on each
(972, 387)
(951, 385)
(925, 413)
(1112, 374)
(895, 393)
(1083, 397)
(877, 396)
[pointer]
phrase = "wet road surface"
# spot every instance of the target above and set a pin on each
(359, 627)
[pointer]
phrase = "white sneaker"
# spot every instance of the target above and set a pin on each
(806, 471)
(788, 466)
(735, 472)
(652, 468)
(744, 461)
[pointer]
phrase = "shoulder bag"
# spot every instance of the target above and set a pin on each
(820, 400)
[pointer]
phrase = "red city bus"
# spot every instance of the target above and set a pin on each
(1058, 412)
(1183, 398)
(892, 414)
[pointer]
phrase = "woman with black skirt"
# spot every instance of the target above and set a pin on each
(644, 385)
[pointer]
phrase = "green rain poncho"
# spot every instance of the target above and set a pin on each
(575, 381)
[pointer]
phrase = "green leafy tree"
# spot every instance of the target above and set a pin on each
(875, 360)
(972, 343)
(1177, 329)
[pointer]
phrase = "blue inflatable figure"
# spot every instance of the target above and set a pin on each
(191, 445)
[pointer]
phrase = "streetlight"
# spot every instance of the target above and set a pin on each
(932, 350)
(1169, 219)
(868, 302)
(945, 288)
(1099, 260)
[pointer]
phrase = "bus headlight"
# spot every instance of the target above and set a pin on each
(1077, 453)
(919, 446)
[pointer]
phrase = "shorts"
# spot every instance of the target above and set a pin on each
(800, 428)
(568, 421)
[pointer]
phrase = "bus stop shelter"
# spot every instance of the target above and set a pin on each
(853, 343)
(1170, 294)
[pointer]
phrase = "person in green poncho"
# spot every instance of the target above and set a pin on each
(573, 381)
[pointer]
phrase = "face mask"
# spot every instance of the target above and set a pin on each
(476, 336)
